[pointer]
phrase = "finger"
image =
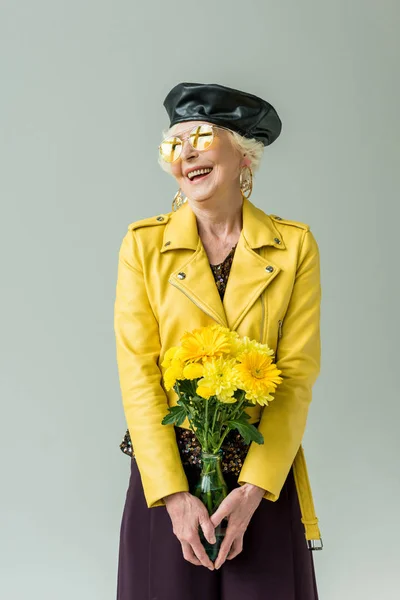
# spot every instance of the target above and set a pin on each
(189, 555)
(236, 548)
(200, 552)
(208, 528)
(223, 551)
(221, 512)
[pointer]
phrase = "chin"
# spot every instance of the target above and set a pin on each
(199, 197)
(199, 194)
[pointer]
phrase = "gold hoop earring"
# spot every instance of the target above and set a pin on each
(178, 200)
(246, 181)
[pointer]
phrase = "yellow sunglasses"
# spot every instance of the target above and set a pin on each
(200, 138)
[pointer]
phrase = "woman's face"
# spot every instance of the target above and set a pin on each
(222, 157)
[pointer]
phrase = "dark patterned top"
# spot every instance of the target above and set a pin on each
(222, 270)
(234, 449)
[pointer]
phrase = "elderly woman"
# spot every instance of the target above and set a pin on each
(217, 258)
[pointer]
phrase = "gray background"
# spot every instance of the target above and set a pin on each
(81, 83)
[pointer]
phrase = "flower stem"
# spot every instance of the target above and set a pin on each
(189, 412)
(234, 414)
(222, 438)
(239, 406)
(206, 427)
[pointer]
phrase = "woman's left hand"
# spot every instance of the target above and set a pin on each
(239, 507)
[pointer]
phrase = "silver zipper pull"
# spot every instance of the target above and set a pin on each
(279, 329)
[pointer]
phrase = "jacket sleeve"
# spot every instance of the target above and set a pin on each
(283, 421)
(143, 397)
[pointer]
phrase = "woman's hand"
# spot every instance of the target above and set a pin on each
(239, 507)
(188, 512)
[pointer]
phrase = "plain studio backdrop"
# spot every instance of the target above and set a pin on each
(82, 85)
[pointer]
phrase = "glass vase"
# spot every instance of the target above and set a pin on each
(211, 489)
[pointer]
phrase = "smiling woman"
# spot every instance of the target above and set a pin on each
(217, 258)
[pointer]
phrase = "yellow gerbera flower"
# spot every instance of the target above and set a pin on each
(232, 335)
(193, 371)
(259, 376)
(172, 373)
(204, 392)
(204, 342)
(170, 354)
(245, 344)
(220, 379)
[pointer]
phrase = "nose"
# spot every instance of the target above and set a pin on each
(188, 151)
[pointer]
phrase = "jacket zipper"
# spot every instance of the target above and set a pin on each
(279, 329)
(262, 317)
(279, 337)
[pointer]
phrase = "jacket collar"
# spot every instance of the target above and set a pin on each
(258, 229)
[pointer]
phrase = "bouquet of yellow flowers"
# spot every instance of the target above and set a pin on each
(216, 375)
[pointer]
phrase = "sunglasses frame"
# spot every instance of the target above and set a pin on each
(214, 129)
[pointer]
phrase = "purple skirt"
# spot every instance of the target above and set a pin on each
(275, 563)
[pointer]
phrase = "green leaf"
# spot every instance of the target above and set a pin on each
(244, 415)
(185, 386)
(247, 431)
(200, 398)
(176, 416)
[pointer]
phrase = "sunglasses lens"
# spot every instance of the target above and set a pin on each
(201, 137)
(170, 149)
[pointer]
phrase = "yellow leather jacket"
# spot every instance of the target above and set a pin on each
(165, 286)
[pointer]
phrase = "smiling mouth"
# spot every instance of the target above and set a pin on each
(199, 177)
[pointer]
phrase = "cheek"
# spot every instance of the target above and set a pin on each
(225, 173)
(176, 172)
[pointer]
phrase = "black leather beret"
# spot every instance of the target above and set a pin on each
(245, 113)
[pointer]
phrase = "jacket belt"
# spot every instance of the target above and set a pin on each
(308, 516)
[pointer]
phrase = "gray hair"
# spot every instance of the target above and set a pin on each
(253, 148)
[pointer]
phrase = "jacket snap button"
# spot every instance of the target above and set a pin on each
(277, 240)
(269, 268)
(167, 243)
(181, 275)
(160, 218)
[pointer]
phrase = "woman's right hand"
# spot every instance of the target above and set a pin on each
(188, 512)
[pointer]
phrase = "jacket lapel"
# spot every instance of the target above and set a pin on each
(250, 272)
(247, 280)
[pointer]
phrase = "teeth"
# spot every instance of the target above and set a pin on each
(198, 172)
